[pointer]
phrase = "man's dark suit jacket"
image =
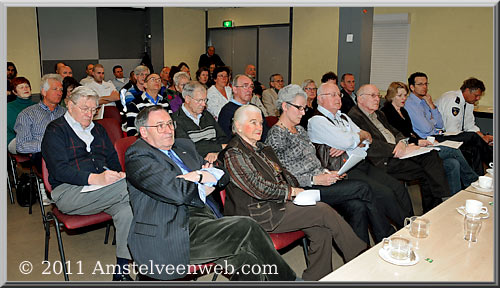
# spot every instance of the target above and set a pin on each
(347, 102)
(380, 151)
(161, 204)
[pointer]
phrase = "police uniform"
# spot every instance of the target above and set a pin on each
(457, 114)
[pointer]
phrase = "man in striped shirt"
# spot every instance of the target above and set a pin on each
(150, 97)
(32, 121)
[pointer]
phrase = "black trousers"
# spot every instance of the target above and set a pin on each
(428, 170)
(354, 200)
(475, 149)
(392, 195)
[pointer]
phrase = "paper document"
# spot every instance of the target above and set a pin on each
(351, 162)
(419, 151)
(89, 188)
(100, 114)
(307, 197)
(450, 143)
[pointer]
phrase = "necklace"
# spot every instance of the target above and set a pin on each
(283, 125)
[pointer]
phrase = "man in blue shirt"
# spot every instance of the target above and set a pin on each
(427, 121)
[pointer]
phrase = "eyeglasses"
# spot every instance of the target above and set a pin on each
(331, 94)
(422, 84)
(245, 86)
(155, 79)
(199, 101)
(86, 110)
(57, 89)
(300, 108)
(373, 95)
(310, 89)
(279, 80)
(162, 127)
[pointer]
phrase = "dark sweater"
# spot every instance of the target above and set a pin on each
(403, 125)
(208, 136)
(67, 158)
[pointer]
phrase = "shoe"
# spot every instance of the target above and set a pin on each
(122, 277)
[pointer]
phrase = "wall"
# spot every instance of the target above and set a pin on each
(184, 42)
(314, 42)
(450, 45)
(22, 44)
(249, 16)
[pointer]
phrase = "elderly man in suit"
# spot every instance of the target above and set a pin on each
(168, 184)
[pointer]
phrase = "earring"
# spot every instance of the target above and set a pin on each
(239, 130)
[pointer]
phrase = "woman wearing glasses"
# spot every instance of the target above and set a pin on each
(353, 199)
(219, 94)
(456, 167)
(312, 103)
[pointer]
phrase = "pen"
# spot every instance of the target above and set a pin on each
(105, 168)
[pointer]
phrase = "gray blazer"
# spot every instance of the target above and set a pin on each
(160, 203)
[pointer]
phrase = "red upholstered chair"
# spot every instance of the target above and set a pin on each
(281, 240)
(112, 112)
(112, 127)
(271, 120)
(70, 222)
(121, 147)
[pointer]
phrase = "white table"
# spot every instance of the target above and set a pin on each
(454, 259)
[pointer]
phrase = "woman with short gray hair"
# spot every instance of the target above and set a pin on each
(309, 86)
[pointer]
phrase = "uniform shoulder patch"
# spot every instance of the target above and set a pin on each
(455, 111)
(457, 100)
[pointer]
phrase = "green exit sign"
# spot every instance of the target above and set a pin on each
(227, 24)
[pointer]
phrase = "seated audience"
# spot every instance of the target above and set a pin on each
(174, 97)
(32, 121)
(183, 67)
(336, 138)
(11, 74)
(165, 78)
(220, 93)
(242, 94)
(69, 83)
(150, 97)
(105, 89)
(78, 152)
(348, 84)
(269, 96)
(353, 199)
(173, 221)
(309, 86)
(388, 145)
(262, 189)
(119, 81)
(202, 76)
(22, 90)
(89, 71)
(137, 89)
(427, 121)
(456, 167)
(195, 123)
(329, 77)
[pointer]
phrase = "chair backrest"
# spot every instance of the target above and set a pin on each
(271, 120)
(112, 112)
(45, 176)
(112, 127)
(121, 147)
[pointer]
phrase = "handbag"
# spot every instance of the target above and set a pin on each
(23, 190)
(327, 161)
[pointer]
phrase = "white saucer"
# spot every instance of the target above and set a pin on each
(489, 170)
(481, 189)
(461, 210)
(384, 254)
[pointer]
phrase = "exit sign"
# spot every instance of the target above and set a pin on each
(227, 24)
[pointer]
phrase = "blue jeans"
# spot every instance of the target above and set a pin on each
(457, 169)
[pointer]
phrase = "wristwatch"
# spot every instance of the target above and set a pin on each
(405, 141)
(201, 175)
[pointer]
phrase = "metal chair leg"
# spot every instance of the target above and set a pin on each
(61, 249)
(106, 236)
(114, 236)
(9, 186)
(306, 256)
(47, 238)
